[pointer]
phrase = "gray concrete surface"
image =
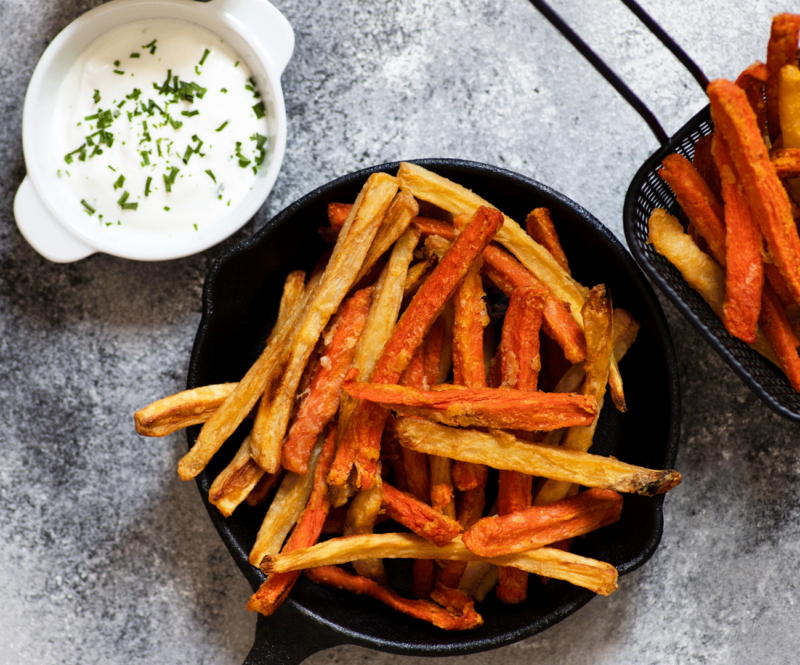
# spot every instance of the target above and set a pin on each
(107, 557)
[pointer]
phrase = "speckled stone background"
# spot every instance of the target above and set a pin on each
(107, 557)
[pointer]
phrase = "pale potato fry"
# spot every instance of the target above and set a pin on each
(340, 274)
(387, 297)
(458, 200)
(503, 451)
(417, 274)
(190, 407)
(478, 579)
(699, 270)
(287, 505)
(360, 520)
(294, 288)
(235, 481)
(399, 215)
(598, 576)
(789, 113)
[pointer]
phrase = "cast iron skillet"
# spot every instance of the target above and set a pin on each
(240, 302)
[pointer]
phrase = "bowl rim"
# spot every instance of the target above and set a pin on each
(341, 634)
(84, 30)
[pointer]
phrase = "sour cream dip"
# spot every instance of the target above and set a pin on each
(159, 128)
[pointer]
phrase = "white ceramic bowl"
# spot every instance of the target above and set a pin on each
(48, 215)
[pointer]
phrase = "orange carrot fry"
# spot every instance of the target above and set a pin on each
(744, 276)
(697, 201)
(322, 400)
(769, 203)
(781, 50)
(277, 586)
(542, 525)
(361, 441)
(752, 81)
(703, 161)
(786, 162)
(539, 226)
(780, 335)
(470, 508)
(499, 408)
(337, 215)
(419, 517)
(442, 617)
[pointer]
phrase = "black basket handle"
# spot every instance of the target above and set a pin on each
(606, 72)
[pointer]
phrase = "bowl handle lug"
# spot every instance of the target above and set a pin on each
(286, 638)
(42, 231)
(267, 23)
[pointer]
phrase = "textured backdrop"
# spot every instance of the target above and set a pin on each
(106, 557)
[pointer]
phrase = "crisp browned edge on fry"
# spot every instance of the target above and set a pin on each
(235, 482)
(190, 407)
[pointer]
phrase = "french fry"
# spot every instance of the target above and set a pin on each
(340, 274)
(752, 81)
(478, 579)
(481, 407)
(419, 517)
(768, 201)
(291, 298)
(275, 588)
(419, 609)
(789, 105)
(744, 273)
(417, 274)
(703, 161)
(503, 451)
(584, 572)
(361, 442)
(539, 226)
(235, 482)
(786, 162)
(361, 517)
(698, 202)
(698, 269)
(543, 525)
(288, 504)
(322, 400)
(781, 50)
(190, 407)
(781, 336)
(263, 488)
(396, 220)
(337, 215)
(470, 508)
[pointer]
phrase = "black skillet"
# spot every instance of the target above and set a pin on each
(240, 301)
(647, 191)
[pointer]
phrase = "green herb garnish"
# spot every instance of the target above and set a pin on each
(151, 46)
(222, 126)
(123, 202)
(135, 55)
(89, 210)
(147, 186)
(96, 97)
(116, 63)
(211, 173)
(117, 71)
(120, 181)
(189, 114)
(259, 110)
(206, 53)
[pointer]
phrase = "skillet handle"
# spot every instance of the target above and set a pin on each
(287, 638)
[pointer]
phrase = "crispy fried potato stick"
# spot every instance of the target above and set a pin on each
(322, 400)
(539, 226)
(361, 442)
(263, 488)
(190, 407)
(598, 576)
(478, 579)
(503, 451)
(781, 50)
(744, 272)
(235, 482)
(769, 203)
(276, 587)
(543, 525)
(285, 509)
(698, 202)
(501, 408)
(420, 609)
(419, 517)
(752, 81)
(294, 288)
(360, 520)
(470, 509)
(789, 104)
(417, 274)
(399, 215)
(458, 200)
(698, 269)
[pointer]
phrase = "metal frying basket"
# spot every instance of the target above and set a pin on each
(648, 191)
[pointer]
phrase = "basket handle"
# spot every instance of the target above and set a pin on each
(606, 72)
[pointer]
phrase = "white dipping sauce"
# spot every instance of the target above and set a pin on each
(206, 144)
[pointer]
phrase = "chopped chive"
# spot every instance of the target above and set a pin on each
(195, 226)
(135, 55)
(206, 53)
(222, 126)
(259, 110)
(116, 63)
(187, 154)
(151, 46)
(89, 208)
(112, 168)
(96, 97)
(166, 208)
(223, 90)
(147, 186)
(211, 173)
(81, 156)
(197, 70)
(120, 181)
(236, 65)
(123, 202)
(91, 117)
(189, 114)
(117, 71)
(135, 94)
(145, 158)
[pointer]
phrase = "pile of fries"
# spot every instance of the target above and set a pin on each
(741, 197)
(386, 392)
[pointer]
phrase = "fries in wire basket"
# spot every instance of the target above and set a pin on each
(740, 195)
(385, 392)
